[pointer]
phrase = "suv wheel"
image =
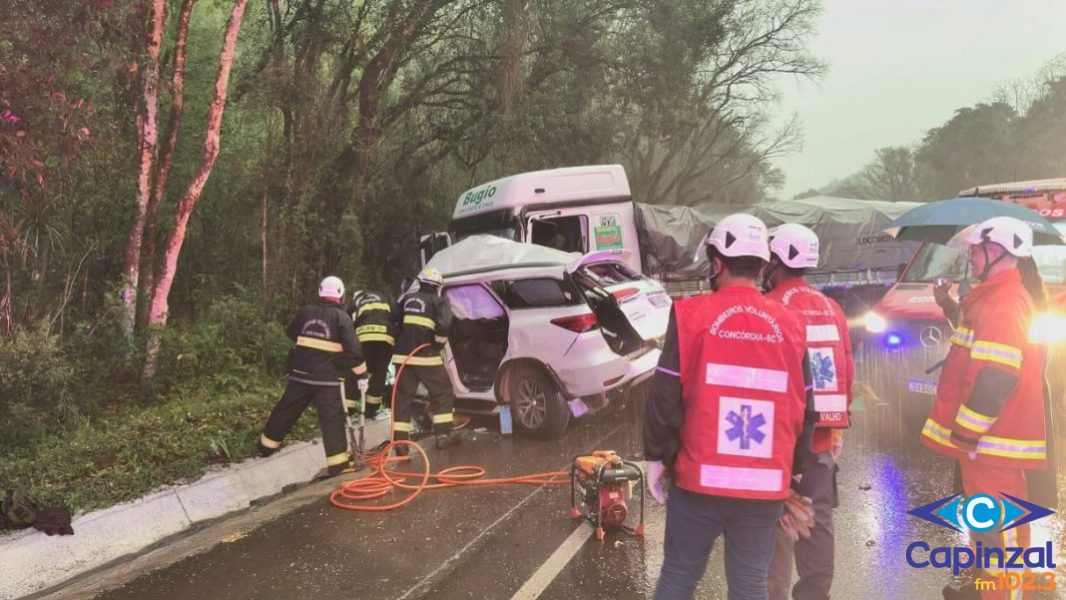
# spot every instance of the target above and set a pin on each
(537, 406)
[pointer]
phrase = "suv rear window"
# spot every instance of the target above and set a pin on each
(535, 293)
(611, 273)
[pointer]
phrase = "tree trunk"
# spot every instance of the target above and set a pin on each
(166, 156)
(149, 134)
(157, 315)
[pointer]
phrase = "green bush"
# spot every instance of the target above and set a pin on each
(36, 385)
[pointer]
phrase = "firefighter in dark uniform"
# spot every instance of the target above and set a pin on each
(372, 313)
(426, 318)
(326, 348)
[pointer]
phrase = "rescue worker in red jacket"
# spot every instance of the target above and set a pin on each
(794, 250)
(372, 313)
(989, 408)
(426, 320)
(326, 348)
(730, 418)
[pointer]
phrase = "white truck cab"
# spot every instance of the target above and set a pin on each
(573, 209)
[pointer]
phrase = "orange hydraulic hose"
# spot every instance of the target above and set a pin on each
(355, 494)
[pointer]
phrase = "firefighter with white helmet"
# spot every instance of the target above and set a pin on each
(326, 348)
(989, 408)
(728, 416)
(793, 251)
(425, 320)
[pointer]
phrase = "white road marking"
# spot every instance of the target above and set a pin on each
(551, 568)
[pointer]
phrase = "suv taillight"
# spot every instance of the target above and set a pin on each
(577, 323)
(622, 294)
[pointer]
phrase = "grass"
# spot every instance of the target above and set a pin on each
(120, 456)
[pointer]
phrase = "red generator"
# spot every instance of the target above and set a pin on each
(599, 489)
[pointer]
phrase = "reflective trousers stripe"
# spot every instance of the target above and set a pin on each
(337, 459)
(350, 404)
(444, 418)
(398, 426)
(374, 399)
(268, 443)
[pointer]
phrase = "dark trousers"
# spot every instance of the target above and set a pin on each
(329, 404)
(377, 356)
(814, 555)
(693, 523)
(441, 396)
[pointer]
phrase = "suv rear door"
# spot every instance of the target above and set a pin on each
(643, 301)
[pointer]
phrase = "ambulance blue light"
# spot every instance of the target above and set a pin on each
(893, 340)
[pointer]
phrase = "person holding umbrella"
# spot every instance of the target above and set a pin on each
(989, 408)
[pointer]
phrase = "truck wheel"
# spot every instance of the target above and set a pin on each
(538, 408)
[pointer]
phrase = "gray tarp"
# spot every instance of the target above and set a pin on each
(850, 230)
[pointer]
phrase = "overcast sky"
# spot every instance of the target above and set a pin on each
(900, 67)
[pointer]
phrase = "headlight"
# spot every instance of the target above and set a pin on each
(1048, 328)
(875, 323)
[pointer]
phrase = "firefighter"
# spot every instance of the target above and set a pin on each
(794, 250)
(729, 417)
(326, 347)
(426, 318)
(372, 313)
(989, 408)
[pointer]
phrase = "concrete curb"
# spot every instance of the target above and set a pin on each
(33, 561)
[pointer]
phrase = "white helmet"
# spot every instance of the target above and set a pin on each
(1014, 235)
(740, 235)
(796, 246)
(331, 287)
(431, 276)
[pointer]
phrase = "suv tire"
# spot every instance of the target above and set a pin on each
(538, 408)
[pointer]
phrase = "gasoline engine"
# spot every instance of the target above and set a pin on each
(600, 485)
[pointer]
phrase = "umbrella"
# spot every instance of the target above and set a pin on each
(938, 222)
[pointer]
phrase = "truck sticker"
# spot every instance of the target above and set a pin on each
(609, 233)
(478, 199)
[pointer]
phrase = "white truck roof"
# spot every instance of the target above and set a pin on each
(545, 187)
(1036, 185)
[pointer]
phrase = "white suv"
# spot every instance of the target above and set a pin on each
(550, 333)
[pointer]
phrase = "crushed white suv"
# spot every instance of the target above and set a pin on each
(552, 334)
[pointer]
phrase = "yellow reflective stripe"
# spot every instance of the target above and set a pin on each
(997, 353)
(937, 433)
(337, 459)
(962, 337)
(268, 443)
(418, 361)
(441, 339)
(374, 399)
(973, 420)
(1012, 448)
(372, 307)
(378, 337)
(419, 321)
(444, 418)
(372, 328)
(349, 403)
(319, 344)
(359, 369)
(398, 426)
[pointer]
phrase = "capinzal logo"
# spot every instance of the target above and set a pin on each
(980, 513)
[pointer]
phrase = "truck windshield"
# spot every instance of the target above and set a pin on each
(500, 223)
(934, 260)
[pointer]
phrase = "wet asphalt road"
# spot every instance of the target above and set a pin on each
(487, 542)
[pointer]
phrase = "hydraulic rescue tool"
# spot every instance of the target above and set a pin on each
(600, 485)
